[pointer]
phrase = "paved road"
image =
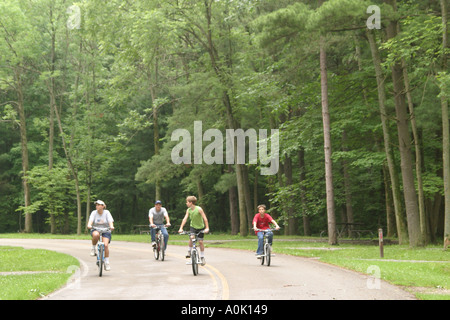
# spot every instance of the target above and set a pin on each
(228, 274)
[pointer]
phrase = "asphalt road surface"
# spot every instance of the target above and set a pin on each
(228, 275)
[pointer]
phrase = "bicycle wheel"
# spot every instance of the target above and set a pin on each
(156, 249)
(161, 248)
(267, 250)
(100, 260)
(263, 255)
(194, 262)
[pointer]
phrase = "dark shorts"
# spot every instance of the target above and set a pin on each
(201, 235)
(104, 235)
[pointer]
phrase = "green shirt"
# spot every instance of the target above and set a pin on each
(196, 218)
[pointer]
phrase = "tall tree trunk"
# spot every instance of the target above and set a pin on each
(400, 218)
(51, 134)
(292, 220)
(409, 189)
(347, 186)
(331, 218)
(233, 202)
(155, 137)
(221, 75)
(24, 147)
(445, 127)
(67, 149)
(247, 196)
(303, 200)
(421, 195)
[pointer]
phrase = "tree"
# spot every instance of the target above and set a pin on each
(409, 190)
(332, 235)
(398, 207)
(445, 121)
(19, 50)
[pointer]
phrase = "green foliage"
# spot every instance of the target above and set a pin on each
(136, 71)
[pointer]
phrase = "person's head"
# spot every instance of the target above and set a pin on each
(191, 200)
(100, 205)
(261, 208)
(158, 205)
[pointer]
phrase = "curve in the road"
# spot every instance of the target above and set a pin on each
(228, 274)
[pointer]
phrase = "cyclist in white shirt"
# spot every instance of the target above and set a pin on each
(101, 218)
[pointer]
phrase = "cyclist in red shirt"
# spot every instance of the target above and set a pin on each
(262, 221)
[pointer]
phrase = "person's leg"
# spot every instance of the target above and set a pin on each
(166, 236)
(95, 236)
(153, 233)
(260, 236)
(270, 235)
(106, 242)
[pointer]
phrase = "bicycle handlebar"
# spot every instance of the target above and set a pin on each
(265, 230)
(102, 230)
(188, 232)
(156, 226)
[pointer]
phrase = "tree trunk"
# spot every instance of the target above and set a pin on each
(221, 75)
(302, 167)
(331, 218)
(24, 147)
(409, 189)
(398, 206)
(67, 152)
(347, 186)
(155, 125)
(445, 129)
(292, 220)
(51, 134)
(234, 218)
(421, 199)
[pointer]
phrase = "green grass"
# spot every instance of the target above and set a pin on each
(49, 272)
(423, 271)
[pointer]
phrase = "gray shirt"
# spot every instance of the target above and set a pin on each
(158, 216)
(100, 220)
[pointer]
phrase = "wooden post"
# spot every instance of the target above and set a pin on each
(380, 241)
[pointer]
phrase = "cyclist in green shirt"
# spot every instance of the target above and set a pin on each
(199, 222)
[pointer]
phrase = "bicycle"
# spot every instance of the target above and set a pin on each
(101, 249)
(159, 248)
(266, 256)
(195, 256)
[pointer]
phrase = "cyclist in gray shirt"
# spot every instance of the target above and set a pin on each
(156, 217)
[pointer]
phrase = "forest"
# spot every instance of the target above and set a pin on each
(339, 110)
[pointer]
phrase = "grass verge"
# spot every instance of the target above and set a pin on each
(28, 274)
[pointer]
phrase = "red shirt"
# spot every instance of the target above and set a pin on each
(262, 222)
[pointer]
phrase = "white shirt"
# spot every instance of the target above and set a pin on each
(100, 220)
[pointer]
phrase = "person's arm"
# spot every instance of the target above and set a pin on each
(91, 220)
(186, 216)
(202, 213)
(167, 219)
(277, 227)
(111, 221)
(255, 220)
(150, 218)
